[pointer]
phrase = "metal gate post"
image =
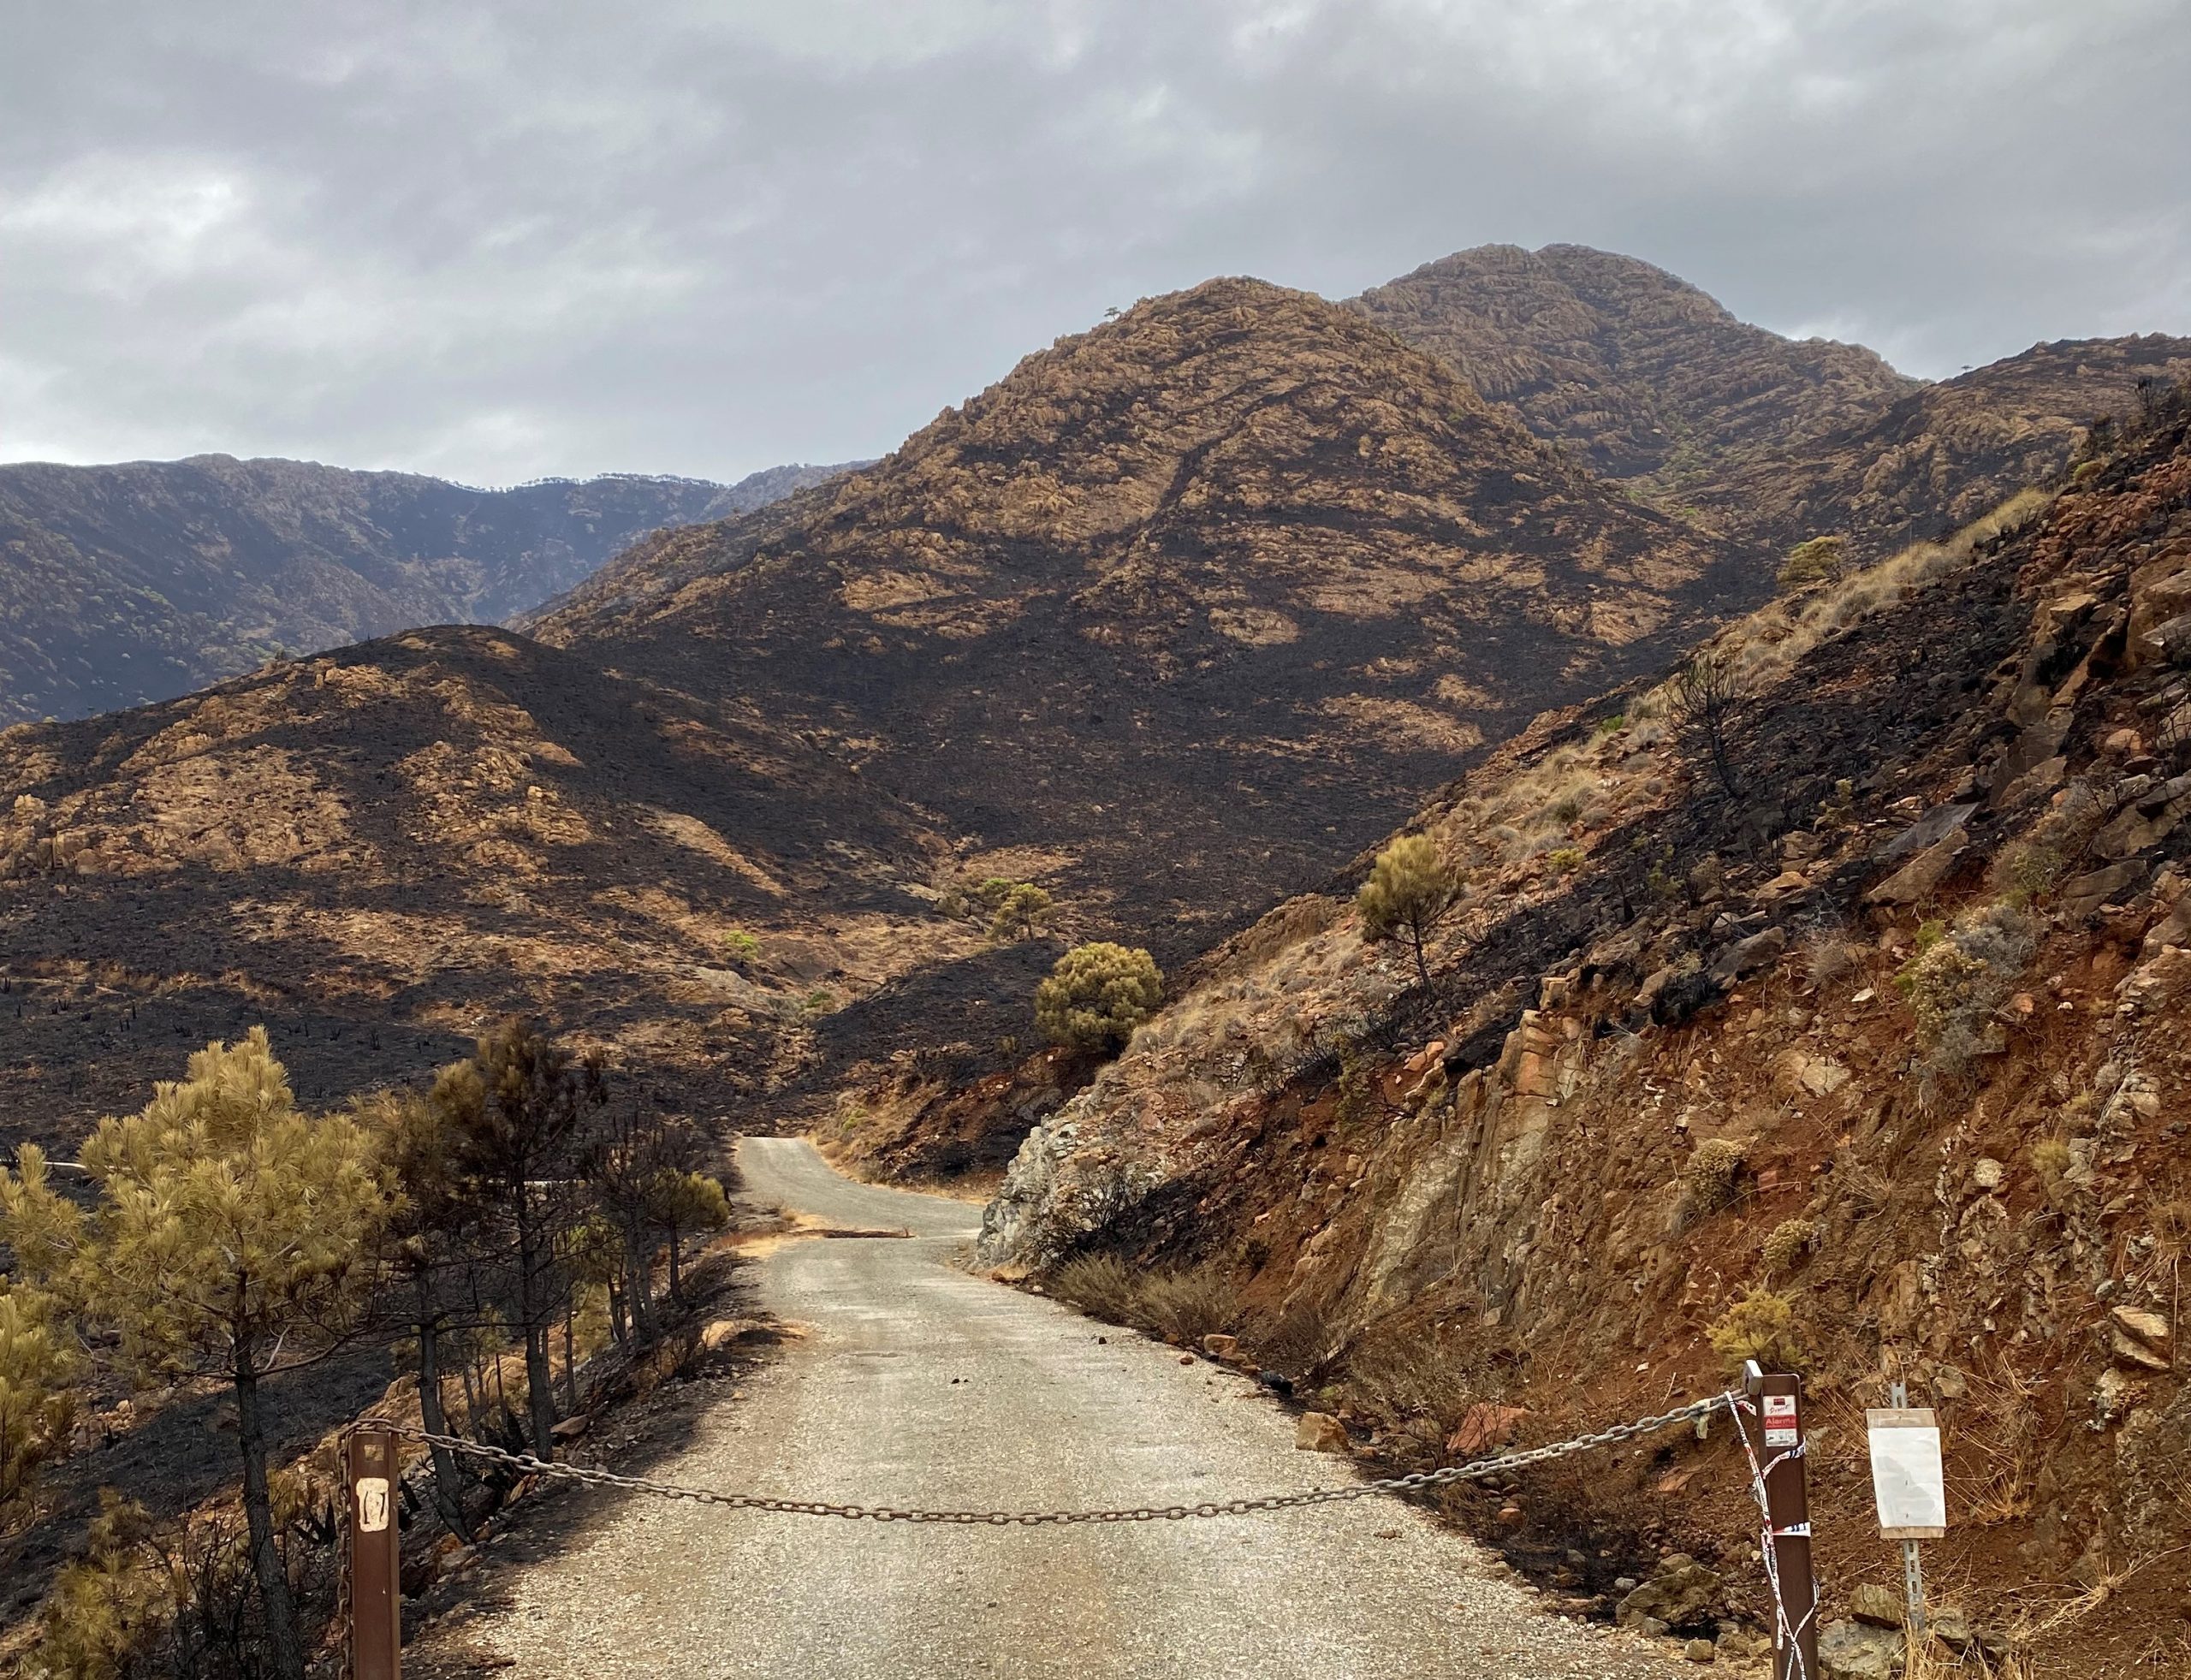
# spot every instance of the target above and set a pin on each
(1775, 1427)
(369, 1471)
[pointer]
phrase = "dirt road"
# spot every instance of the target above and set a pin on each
(919, 1384)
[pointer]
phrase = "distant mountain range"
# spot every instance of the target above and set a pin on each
(125, 583)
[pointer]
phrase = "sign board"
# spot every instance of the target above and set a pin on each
(1907, 1478)
(372, 1503)
(1783, 1424)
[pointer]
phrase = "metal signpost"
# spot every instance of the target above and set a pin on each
(369, 1471)
(1910, 1487)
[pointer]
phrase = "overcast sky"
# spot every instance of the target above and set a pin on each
(499, 241)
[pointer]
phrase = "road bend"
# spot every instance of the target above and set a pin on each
(917, 1384)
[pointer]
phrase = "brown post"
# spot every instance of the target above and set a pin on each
(1775, 1427)
(376, 1557)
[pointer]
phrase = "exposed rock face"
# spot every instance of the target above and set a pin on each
(1770, 440)
(120, 585)
(1237, 573)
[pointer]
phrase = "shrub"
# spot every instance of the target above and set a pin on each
(2051, 1160)
(1097, 994)
(1789, 1246)
(37, 1361)
(1567, 859)
(1710, 694)
(1960, 976)
(1711, 1174)
(1184, 1306)
(1100, 1285)
(1761, 1326)
(740, 943)
(1814, 564)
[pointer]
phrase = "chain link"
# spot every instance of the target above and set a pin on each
(527, 1464)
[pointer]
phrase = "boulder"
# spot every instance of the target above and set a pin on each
(2085, 893)
(1822, 1076)
(1747, 956)
(1914, 880)
(1935, 826)
(1854, 1651)
(2140, 1338)
(1220, 1347)
(1320, 1432)
(1682, 1592)
(1876, 1605)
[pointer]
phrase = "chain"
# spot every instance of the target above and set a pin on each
(527, 1464)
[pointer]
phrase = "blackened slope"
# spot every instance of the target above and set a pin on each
(377, 850)
(1204, 598)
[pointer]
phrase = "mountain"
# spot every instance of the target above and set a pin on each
(1190, 604)
(381, 849)
(1874, 1069)
(120, 585)
(1767, 440)
(1638, 372)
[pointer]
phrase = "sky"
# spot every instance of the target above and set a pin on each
(498, 242)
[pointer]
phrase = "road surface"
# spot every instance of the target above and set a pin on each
(917, 1384)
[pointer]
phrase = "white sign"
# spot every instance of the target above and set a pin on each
(373, 1504)
(1782, 1427)
(1906, 1479)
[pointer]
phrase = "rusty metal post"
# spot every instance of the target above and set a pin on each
(369, 1472)
(1775, 1428)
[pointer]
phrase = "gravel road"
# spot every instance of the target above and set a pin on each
(917, 1384)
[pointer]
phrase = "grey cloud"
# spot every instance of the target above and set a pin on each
(496, 240)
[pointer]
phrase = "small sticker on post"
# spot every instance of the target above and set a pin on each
(1782, 1427)
(373, 1504)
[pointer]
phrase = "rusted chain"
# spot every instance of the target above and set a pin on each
(524, 1464)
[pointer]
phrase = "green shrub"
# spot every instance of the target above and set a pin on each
(740, 943)
(1761, 1326)
(1815, 564)
(1789, 1246)
(1960, 976)
(1566, 860)
(1097, 994)
(1712, 1172)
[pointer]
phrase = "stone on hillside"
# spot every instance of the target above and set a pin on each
(1916, 879)
(1747, 956)
(1701, 1651)
(1681, 1592)
(1880, 1607)
(1852, 1651)
(2149, 1328)
(2085, 893)
(1320, 1432)
(1822, 1076)
(1935, 826)
(1483, 1426)
(1220, 1347)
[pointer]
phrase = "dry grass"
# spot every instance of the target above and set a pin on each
(1182, 1304)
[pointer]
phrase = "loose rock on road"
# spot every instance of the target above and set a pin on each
(917, 1384)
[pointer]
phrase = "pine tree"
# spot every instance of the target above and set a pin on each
(1097, 994)
(230, 1238)
(429, 1247)
(1409, 892)
(517, 1115)
(37, 1362)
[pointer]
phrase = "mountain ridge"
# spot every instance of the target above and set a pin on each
(138, 581)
